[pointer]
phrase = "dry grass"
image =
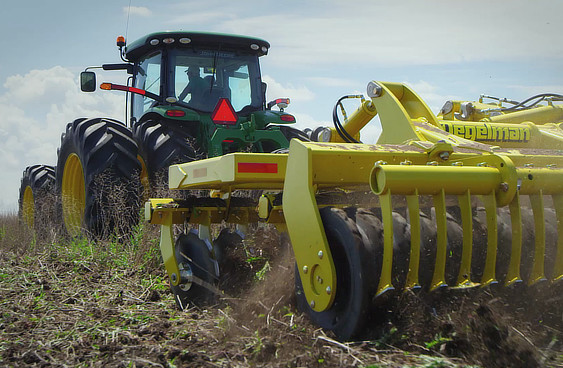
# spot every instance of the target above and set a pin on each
(79, 302)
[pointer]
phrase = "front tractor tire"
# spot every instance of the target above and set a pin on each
(37, 195)
(97, 177)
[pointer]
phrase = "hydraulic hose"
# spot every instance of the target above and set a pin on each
(336, 121)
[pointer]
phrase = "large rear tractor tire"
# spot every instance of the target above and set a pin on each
(37, 196)
(162, 144)
(198, 272)
(352, 259)
(97, 177)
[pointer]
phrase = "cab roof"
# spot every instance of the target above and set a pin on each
(158, 40)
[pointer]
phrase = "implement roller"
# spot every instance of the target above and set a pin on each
(468, 198)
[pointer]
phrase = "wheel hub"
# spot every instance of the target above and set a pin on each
(73, 195)
(186, 276)
(28, 207)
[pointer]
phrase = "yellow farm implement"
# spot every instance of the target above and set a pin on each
(471, 197)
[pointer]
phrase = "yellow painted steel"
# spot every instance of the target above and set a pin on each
(464, 277)
(385, 283)
(28, 207)
(440, 163)
(397, 105)
(73, 195)
(558, 267)
(167, 248)
(203, 215)
(429, 180)
(534, 179)
(357, 120)
(538, 273)
(507, 134)
(513, 275)
(537, 115)
(439, 277)
(482, 112)
(414, 258)
(246, 170)
(308, 239)
(489, 273)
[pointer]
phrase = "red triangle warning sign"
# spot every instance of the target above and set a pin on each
(224, 113)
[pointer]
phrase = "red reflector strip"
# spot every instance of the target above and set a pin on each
(119, 87)
(228, 141)
(257, 167)
(137, 90)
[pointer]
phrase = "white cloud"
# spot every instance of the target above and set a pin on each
(277, 90)
(384, 33)
(430, 95)
(332, 82)
(34, 111)
(304, 120)
(529, 91)
(139, 11)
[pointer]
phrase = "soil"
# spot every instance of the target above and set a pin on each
(65, 304)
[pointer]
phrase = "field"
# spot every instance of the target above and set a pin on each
(77, 302)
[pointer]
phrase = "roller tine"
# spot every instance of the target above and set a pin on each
(558, 269)
(513, 274)
(538, 273)
(490, 203)
(438, 279)
(385, 283)
(414, 259)
(464, 277)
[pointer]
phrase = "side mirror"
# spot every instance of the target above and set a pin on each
(87, 81)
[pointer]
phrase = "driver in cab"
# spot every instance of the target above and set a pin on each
(195, 87)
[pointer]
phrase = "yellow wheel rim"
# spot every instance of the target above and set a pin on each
(144, 178)
(28, 207)
(73, 195)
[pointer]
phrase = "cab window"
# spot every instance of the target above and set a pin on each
(148, 79)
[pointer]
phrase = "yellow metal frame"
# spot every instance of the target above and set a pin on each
(414, 157)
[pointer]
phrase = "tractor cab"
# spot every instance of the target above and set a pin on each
(195, 71)
(204, 85)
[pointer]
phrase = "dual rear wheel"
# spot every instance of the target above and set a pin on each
(37, 195)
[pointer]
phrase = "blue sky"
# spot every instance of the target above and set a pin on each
(320, 51)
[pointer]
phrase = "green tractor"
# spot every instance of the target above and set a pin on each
(191, 95)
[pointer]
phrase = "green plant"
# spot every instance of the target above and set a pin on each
(438, 340)
(262, 272)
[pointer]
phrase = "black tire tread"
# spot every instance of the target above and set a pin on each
(41, 180)
(162, 144)
(105, 147)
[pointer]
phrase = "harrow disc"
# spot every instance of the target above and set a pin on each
(351, 257)
(197, 272)
(356, 240)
